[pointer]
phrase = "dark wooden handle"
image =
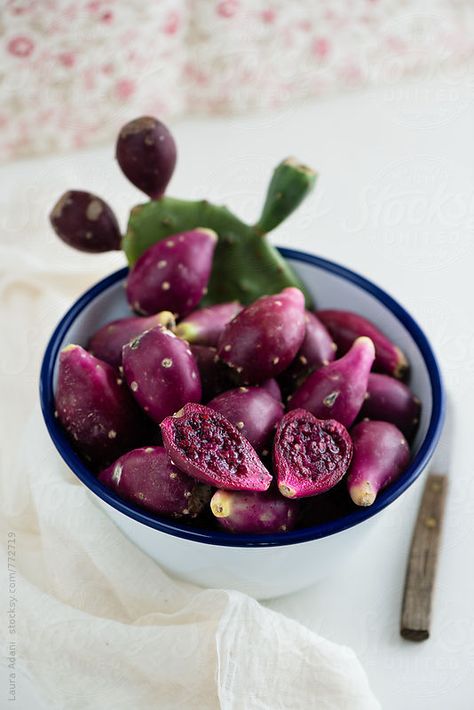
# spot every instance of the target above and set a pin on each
(421, 570)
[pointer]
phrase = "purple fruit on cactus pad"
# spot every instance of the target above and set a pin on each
(172, 275)
(161, 372)
(94, 407)
(108, 341)
(149, 478)
(310, 455)
(205, 445)
(84, 221)
(250, 512)
(253, 411)
(262, 340)
(212, 371)
(337, 391)
(317, 349)
(272, 387)
(381, 454)
(346, 326)
(390, 400)
(146, 152)
(204, 326)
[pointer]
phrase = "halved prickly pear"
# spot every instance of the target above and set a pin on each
(390, 400)
(250, 512)
(262, 340)
(346, 326)
(317, 349)
(146, 152)
(337, 391)
(161, 372)
(95, 407)
(310, 455)
(253, 411)
(148, 477)
(173, 274)
(272, 387)
(212, 371)
(204, 444)
(381, 453)
(108, 341)
(84, 221)
(204, 326)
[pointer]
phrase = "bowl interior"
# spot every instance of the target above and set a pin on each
(332, 287)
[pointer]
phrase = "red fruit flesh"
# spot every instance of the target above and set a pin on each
(310, 455)
(204, 444)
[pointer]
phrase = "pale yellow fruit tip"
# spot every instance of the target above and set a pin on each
(220, 505)
(363, 494)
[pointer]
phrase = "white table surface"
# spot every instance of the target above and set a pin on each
(395, 201)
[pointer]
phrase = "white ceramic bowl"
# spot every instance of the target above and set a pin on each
(263, 566)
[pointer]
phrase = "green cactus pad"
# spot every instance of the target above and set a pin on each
(246, 266)
(290, 184)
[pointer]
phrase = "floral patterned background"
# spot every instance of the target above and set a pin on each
(72, 72)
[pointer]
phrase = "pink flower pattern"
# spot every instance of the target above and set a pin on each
(73, 72)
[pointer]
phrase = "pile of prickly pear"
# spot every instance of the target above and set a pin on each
(223, 397)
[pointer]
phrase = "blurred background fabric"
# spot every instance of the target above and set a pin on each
(72, 72)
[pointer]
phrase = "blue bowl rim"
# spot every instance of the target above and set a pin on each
(214, 537)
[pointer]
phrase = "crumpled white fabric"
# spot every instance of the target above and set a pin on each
(98, 623)
(102, 626)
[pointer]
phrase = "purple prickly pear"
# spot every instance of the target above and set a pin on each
(250, 512)
(381, 453)
(161, 372)
(253, 411)
(262, 340)
(346, 326)
(317, 349)
(94, 407)
(146, 152)
(205, 445)
(108, 341)
(149, 478)
(392, 401)
(337, 391)
(84, 221)
(204, 326)
(212, 371)
(310, 455)
(272, 387)
(172, 275)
